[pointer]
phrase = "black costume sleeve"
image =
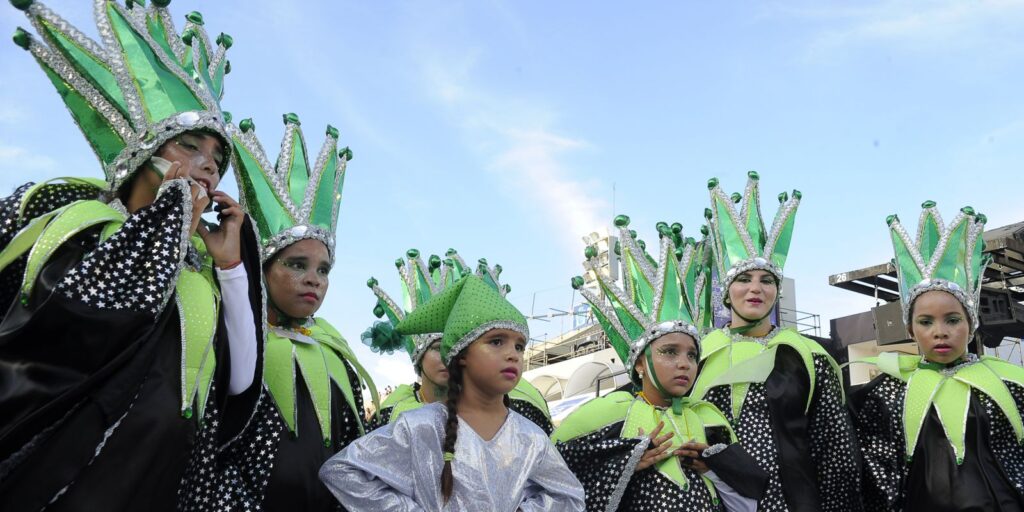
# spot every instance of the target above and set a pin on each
(878, 415)
(1007, 450)
(739, 470)
(379, 419)
(833, 442)
(604, 463)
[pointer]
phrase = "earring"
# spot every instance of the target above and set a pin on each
(641, 375)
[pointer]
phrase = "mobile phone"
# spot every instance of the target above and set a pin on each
(717, 435)
(160, 165)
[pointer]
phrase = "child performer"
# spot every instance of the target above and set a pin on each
(473, 452)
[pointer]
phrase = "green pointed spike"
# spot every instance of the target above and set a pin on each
(672, 304)
(950, 266)
(295, 164)
(780, 251)
(326, 193)
(163, 94)
(929, 232)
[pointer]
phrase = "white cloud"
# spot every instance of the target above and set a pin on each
(934, 25)
(515, 138)
(14, 157)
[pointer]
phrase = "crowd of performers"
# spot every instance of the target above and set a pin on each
(159, 347)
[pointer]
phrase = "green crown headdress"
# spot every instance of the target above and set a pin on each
(420, 282)
(739, 239)
(657, 297)
(142, 86)
(463, 312)
(290, 200)
(948, 258)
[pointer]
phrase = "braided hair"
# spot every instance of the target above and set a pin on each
(451, 426)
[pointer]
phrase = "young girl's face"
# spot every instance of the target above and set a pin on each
(494, 362)
(939, 325)
(675, 363)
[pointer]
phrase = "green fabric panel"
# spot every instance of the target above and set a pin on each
(279, 376)
(921, 389)
(733, 248)
(340, 185)
(620, 344)
(401, 393)
(77, 217)
(88, 65)
(672, 305)
(100, 135)
(641, 289)
(314, 373)
(422, 283)
(297, 168)
(633, 326)
(162, 93)
(754, 222)
(985, 378)
(197, 305)
(269, 212)
(642, 416)
(951, 267)
(524, 391)
(593, 415)
(158, 32)
(322, 213)
(930, 235)
(431, 317)
(409, 404)
(338, 373)
(951, 403)
(755, 368)
(909, 274)
(1005, 369)
(781, 250)
(333, 339)
(25, 239)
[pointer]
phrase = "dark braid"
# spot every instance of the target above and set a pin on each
(451, 426)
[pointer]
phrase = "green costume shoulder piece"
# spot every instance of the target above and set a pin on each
(948, 390)
(320, 353)
(197, 296)
(525, 392)
(637, 415)
(740, 363)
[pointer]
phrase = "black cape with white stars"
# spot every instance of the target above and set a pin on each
(991, 477)
(811, 457)
(90, 367)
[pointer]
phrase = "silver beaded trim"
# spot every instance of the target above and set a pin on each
(637, 347)
(295, 234)
(475, 334)
(713, 450)
(761, 340)
(969, 360)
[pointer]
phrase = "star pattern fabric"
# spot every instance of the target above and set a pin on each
(47, 199)
(237, 478)
(136, 268)
(532, 413)
(602, 460)
(832, 440)
(882, 440)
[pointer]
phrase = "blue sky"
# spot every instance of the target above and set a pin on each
(501, 128)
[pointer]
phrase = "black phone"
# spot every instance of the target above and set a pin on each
(717, 435)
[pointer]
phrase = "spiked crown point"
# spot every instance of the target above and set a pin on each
(657, 296)
(290, 200)
(739, 238)
(137, 87)
(946, 257)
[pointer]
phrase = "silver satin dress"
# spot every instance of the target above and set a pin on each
(398, 468)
